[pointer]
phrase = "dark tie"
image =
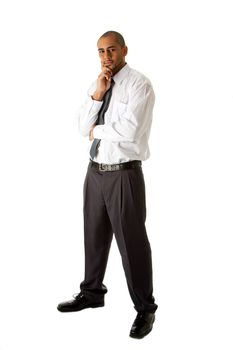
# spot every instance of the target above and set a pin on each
(100, 119)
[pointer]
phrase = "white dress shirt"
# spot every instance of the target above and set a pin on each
(124, 136)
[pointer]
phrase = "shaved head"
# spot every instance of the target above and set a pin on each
(119, 38)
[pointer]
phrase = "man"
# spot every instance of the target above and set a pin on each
(117, 118)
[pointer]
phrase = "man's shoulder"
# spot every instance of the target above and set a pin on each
(138, 77)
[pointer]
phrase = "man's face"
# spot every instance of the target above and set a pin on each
(111, 53)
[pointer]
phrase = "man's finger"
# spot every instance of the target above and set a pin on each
(107, 69)
(107, 76)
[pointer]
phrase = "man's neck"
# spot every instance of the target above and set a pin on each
(119, 68)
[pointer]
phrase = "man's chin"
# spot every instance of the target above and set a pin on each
(109, 65)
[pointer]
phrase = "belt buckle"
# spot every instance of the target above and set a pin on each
(103, 167)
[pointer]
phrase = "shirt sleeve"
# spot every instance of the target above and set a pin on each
(88, 113)
(135, 121)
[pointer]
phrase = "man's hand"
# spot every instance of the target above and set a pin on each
(91, 136)
(103, 83)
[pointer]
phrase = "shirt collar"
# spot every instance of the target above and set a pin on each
(119, 76)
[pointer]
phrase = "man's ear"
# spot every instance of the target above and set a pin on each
(124, 50)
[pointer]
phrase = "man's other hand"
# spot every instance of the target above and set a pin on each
(91, 137)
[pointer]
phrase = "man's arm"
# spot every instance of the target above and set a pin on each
(135, 120)
(88, 114)
(89, 111)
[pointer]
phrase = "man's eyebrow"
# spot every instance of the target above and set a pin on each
(109, 47)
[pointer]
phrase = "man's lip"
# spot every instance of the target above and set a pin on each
(108, 62)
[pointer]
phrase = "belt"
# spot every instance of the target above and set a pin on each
(114, 167)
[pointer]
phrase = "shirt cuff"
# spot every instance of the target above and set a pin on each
(94, 106)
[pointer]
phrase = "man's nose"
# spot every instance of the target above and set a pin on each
(107, 54)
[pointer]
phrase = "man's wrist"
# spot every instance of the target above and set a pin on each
(98, 96)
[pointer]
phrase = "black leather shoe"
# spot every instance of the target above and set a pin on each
(142, 325)
(79, 303)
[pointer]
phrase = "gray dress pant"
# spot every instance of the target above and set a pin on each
(114, 202)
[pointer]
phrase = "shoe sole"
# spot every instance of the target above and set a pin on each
(134, 336)
(80, 309)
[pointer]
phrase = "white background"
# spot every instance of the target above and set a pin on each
(48, 60)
